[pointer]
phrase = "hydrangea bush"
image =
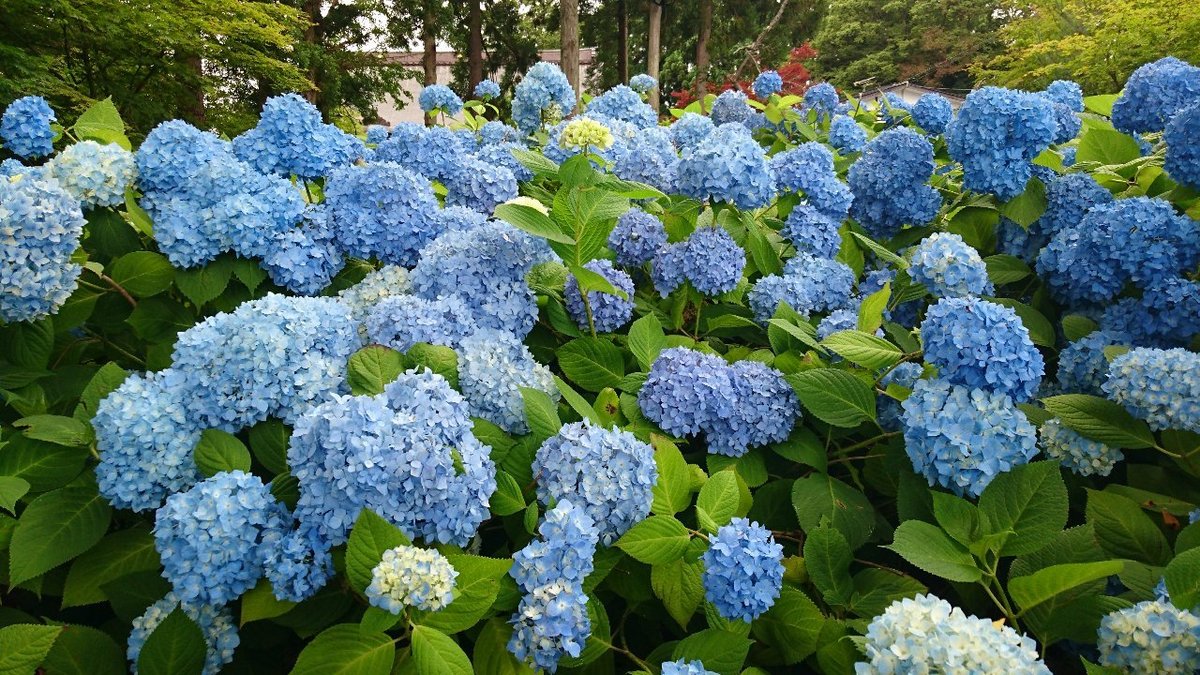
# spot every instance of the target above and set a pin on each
(797, 384)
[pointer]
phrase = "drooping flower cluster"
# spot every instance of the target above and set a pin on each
(727, 165)
(1154, 93)
(292, 140)
(743, 570)
(809, 284)
(1161, 386)
(636, 237)
(544, 94)
(214, 538)
(40, 226)
(736, 406)
(709, 259)
(949, 268)
(932, 113)
(96, 175)
(216, 625)
(642, 83)
(25, 127)
(607, 472)
(962, 438)
(552, 620)
(493, 365)
(1081, 455)
(808, 169)
(408, 576)
(1153, 636)
(996, 135)
(982, 345)
(768, 82)
(605, 312)
(889, 183)
(438, 98)
(926, 634)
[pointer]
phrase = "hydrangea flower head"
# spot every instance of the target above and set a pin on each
(649, 158)
(926, 634)
(40, 226)
(1154, 93)
(949, 268)
(729, 166)
(214, 538)
(408, 576)
(1081, 455)
(608, 312)
(1183, 146)
(290, 139)
(299, 564)
(962, 438)
(768, 82)
(1081, 364)
(685, 667)
(544, 93)
(808, 169)
(306, 258)
(1161, 386)
(480, 185)
(173, 153)
(623, 103)
(713, 260)
(812, 232)
(402, 321)
(438, 98)
(607, 472)
(690, 129)
(1066, 92)
(809, 284)
(492, 367)
(932, 112)
(981, 344)
(384, 282)
(823, 98)
(846, 135)
(381, 211)
(636, 237)
(743, 570)
(642, 83)
(730, 107)
(904, 375)
(25, 127)
(1153, 636)
(765, 410)
(996, 135)
(487, 90)
(585, 132)
(889, 183)
(376, 133)
(95, 174)
(1068, 199)
(684, 390)
(216, 624)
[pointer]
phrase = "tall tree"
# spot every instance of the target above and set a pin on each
(622, 41)
(474, 44)
(702, 37)
(653, 38)
(569, 41)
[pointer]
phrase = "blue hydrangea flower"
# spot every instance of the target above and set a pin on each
(1067, 123)
(932, 113)
(173, 153)
(1081, 455)
(402, 321)
(543, 94)
(437, 98)
(889, 183)
(768, 82)
(492, 367)
(501, 155)
(1183, 146)
(926, 634)
(823, 98)
(949, 268)
(743, 570)
(1067, 93)
(608, 473)
(1153, 636)
(11, 168)
(381, 211)
(299, 564)
(384, 282)
(727, 165)
(642, 83)
(272, 357)
(25, 127)
(636, 237)
(1082, 366)
(290, 139)
(690, 129)
(1068, 155)
(962, 438)
(846, 135)
(486, 90)
(812, 232)
(685, 389)
(838, 320)
(1161, 386)
(608, 312)
(1015, 240)
(408, 576)
(214, 538)
(623, 103)
(95, 174)
(668, 268)
(216, 624)
(982, 344)
(146, 435)
(40, 226)
(809, 284)
(889, 411)
(376, 133)
(649, 158)
(685, 667)
(808, 169)
(306, 258)
(407, 454)
(495, 132)
(1068, 199)
(996, 135)
(765, 410)
(1154, 93)
(436, 153)
(713, 261)
(480, 185)
(730, 107)
(1174, 307)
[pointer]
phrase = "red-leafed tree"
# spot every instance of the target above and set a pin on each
(794, 71)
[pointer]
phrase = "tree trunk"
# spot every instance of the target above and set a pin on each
(474, 46)
(706, 11)
(653, 36)
(569, 41)
(429, 57)
(194, 109)
(312, 36)
(622, 42)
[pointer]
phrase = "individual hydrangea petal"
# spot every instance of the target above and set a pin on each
(743, 570)
(982, 344)
(408, 576)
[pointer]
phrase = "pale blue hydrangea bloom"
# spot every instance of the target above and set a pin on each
(768, 82)
(1068, 199)
(25, 127)
(381, 211)
(1161, 386)
(823, 98)
(889, 411)
(926, 634)
(290, 139)
(846, 135)
(173, 153)
(459, 218)
(685, 667)
(685, 390)
(216, 624)
(837, 321)
(95, 174)
(1081, 455)
(487, 90)
(812, 232)
(949, 268)
(1067, 93)
(730, 107)
(636, 237)
(809, 284)
(642, 83)
(608, 312)
(1183, 146)
(408, 576)
(40, 226)
(623, 103)
(305, 259)
(1153, 636)
(729, 166)
(996, 135)
(1082, 366)
(385, 282)
(407, 454)
(932, 113)
(710, 259)
(889, 183)
(146, 434)
(214, 538)
(376, 133)
(962, 438)
(1067, 123)
(982, 344)
(743, 570)
(501, 155)
(299, 564)
(648, 158)
(690, 129)
(436, 153)
(607, 472)
(401, 321)
(480, 185)
(1154, 93)
(492, 367)
(496, 132)
(808, 169)
(764, 410)
(437, 98)
(544, 93)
